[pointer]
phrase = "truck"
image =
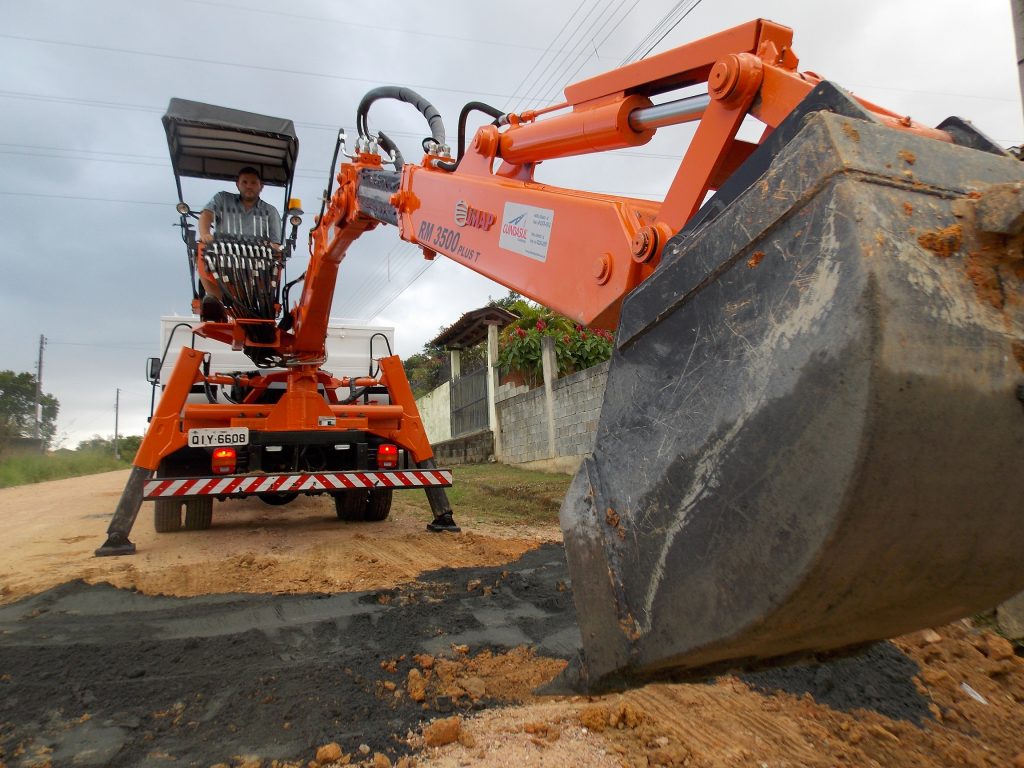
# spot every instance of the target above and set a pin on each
(813, 426)
(347, 348)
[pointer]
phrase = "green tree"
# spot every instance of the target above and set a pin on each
(127, 445)
(18, 408)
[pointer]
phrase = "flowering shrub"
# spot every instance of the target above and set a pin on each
(576, 347)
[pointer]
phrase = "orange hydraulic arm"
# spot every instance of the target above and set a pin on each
(576, 252)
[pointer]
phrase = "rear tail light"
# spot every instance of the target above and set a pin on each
(387, 456)
(224, 461)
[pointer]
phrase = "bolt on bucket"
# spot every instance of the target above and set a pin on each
(812, 434)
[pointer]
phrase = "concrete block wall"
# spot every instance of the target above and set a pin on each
(436, 413)
(578, 400)
(577, 405)
(524, 431)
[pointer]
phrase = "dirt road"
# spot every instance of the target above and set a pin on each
(280, 631)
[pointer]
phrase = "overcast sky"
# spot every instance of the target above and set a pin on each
(91, 258)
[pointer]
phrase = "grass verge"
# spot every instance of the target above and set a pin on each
(500, 493)
(28, 469)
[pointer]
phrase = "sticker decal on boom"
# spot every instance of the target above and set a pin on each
(526, 230)
(468, 216)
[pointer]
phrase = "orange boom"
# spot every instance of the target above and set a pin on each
(812, 432)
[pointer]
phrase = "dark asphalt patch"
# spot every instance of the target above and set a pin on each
(109, 677)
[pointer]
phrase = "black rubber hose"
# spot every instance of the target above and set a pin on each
(389, 146)
(474, 106)
(330, 178)
(407, 95)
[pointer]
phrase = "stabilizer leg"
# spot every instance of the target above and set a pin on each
(162, 438)
(117, 542)
(439, 506)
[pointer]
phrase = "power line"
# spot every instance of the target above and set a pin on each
(546, 51)
(220, 63)
(84, 197)
(667, 23)
(675, 24)
(572, 77)
(549, 90)
(555, 62)
(373, 27)
(390, 300)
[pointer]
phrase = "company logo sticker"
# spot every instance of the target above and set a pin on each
(468, 216)
(526, 230)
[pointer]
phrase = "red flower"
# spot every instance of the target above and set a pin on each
(520, 333)
(541, 325)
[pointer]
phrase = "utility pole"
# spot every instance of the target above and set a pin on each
(39, 392)
(117, 408)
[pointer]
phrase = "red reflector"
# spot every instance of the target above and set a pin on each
(223, 462)
(387, 456)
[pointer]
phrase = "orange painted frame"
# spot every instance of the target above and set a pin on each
(600, 247)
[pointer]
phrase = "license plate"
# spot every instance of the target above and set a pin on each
(212, 438)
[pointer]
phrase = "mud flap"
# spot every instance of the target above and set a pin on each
(811, 436)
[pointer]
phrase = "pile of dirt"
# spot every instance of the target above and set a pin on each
(951, 697)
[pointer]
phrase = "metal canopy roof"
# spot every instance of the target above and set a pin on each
(211, 142)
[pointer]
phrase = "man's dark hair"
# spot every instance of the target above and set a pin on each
(250, 169)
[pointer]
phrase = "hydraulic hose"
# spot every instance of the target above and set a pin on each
(475, 106)
(409, 96)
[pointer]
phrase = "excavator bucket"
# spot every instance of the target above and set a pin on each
(813, 428)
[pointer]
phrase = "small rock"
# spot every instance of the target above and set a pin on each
(364, 749)
(997, 648)
(416, 685)
(425, 660)
(473, 584)
(474, 686)
(328, 753)
(460, 648)
(930, 636)
(380, 760)
(441, 732)
(443, 703)
(594, 717)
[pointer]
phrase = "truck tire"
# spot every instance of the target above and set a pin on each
(199, 513)
(167, 515)
(277, 499)
(350, 506)
(358, 506)
(379, 505)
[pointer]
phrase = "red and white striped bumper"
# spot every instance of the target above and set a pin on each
(243, 485)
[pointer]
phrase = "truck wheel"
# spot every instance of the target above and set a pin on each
(379, 506)
(277, 499)
(167, 515)
(199, 513)
(350, 505)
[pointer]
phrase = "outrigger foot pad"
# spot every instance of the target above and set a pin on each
(443, 523)
(116, 544)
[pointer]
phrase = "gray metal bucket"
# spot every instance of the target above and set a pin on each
(812, 435)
